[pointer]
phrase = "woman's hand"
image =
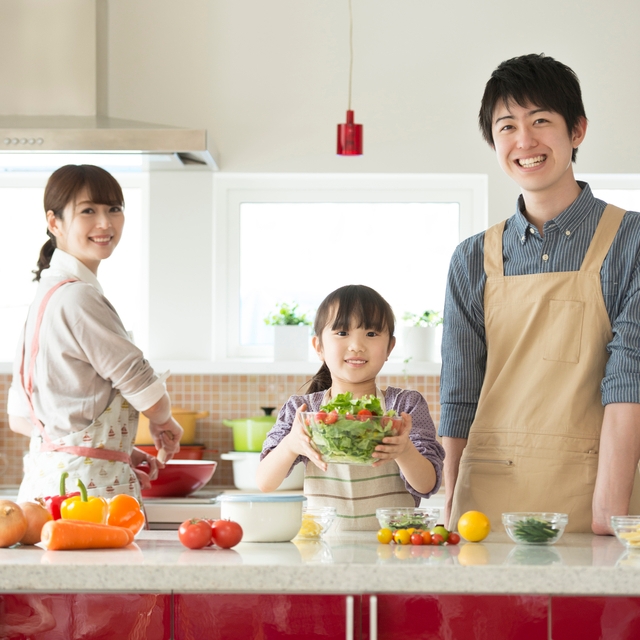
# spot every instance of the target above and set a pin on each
(166, 436)
(299, 442)
(393, 447)
(139, 457)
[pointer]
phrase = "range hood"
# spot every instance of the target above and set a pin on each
(172, 146)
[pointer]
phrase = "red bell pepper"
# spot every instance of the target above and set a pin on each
(53, 503)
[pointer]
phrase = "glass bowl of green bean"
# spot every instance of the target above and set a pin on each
(534, 527)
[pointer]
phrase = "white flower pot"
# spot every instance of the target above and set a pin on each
(420, 344)
(291, 342)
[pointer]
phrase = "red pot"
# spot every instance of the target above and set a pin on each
(180, 478)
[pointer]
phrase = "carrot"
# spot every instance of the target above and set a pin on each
(76, 534)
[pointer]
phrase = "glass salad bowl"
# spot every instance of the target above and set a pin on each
(348, 438)
(408, 517)
(535, 527)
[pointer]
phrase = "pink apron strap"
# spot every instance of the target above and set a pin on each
(27, 385)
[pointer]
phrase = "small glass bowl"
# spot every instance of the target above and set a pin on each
(535, 527)
(315, 522)
(627, 530)
(407, 517)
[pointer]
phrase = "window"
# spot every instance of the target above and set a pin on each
(24, 232)
(622, 190)
(296, 238)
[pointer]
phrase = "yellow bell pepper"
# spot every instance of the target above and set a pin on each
(83, 507)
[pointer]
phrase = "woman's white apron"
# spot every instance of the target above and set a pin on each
(99, 455)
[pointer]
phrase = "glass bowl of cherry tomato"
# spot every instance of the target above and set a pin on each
(408, 517)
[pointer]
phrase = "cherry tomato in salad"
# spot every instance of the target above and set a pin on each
(331, 417)
(453, 538)
(350, 416)
(195, 533)
(416, 538)
(226, 533)
(321, 416)
(364, 415)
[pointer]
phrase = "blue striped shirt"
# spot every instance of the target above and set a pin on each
(565, 242)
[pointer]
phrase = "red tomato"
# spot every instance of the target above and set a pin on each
(426, 537)
(321, 416)
(331, 418)
(350, 416)
(436, 538)
(416, 538)
(453, 538)
(226, 533)
(364, 415)
(195, 533)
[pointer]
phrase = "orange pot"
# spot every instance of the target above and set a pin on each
(185, 418)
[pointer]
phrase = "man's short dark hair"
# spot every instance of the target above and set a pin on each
(533, 79)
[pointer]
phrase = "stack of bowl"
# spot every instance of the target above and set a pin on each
(248, 436)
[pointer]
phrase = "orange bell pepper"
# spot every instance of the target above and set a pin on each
(125, 511)
(85, 508)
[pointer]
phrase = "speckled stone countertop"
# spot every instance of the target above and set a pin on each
(351, 563)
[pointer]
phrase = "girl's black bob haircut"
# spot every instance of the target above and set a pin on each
(533, 79)
(354, 302)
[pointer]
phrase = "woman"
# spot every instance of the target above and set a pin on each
(78, 380)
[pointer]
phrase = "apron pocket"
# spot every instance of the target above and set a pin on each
(563, 331)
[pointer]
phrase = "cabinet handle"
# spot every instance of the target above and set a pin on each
(373, 617)
(349, 625)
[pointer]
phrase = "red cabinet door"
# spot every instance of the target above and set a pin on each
(595, 618)
(97, 616)
(265, 617)
(427, 617)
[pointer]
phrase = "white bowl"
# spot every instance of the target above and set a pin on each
(245, 466)
(263, 517)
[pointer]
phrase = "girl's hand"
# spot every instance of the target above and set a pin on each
(300, 443)
(394, 446)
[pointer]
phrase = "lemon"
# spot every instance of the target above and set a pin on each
(474, 526)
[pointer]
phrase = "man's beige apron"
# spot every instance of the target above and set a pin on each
(98, 455)
(356, 490)
(533, 445)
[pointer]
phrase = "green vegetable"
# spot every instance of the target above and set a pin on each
(345, 403)
(406, 522)
(535, 531)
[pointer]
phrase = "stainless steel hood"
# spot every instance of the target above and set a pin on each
(100, 134)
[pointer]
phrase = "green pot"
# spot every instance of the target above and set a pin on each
(249, 433)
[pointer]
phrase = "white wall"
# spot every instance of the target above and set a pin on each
(268, 79)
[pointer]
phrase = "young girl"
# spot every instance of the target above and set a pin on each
(78, 380)
(353, 337)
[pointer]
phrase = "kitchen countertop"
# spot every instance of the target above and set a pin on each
(579, 564)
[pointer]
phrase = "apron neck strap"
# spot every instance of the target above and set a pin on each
(602, 239)
(493, 263)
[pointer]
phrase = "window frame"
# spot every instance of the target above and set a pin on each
(233, 189)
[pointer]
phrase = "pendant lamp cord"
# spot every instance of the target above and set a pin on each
(350, 50)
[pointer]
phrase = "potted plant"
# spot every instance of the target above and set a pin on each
(290, 333)
(420, 337)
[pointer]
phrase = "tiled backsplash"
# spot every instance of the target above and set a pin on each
(224, 397)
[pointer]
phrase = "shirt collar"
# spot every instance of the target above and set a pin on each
(568, 220)
(64, 265)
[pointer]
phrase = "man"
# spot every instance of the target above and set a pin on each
(540, 386)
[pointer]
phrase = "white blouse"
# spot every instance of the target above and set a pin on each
(85, 354)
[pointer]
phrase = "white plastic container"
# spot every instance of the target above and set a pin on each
(264, 517)
(245, 466)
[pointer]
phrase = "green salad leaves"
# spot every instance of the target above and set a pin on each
(347, 430)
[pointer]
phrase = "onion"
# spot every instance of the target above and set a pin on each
(36, 516)
(13, 523)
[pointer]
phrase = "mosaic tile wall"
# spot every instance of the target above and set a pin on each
(224, 397)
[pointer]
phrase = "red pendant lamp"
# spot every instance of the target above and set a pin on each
(349, 133)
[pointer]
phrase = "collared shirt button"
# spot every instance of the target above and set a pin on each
(567, 232)
(523, 238)
(545, 257)
(532, 230)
